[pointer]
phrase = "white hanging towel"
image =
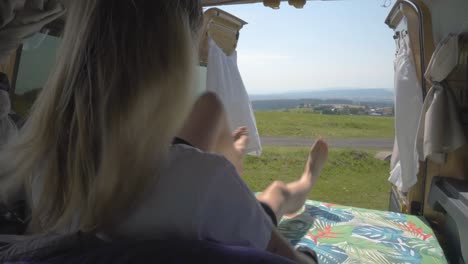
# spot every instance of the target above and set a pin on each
(22, 19)
(440, 130)
(224, 79)
(408, 104)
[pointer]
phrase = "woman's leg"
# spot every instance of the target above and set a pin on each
(288, 198)
(207, 128)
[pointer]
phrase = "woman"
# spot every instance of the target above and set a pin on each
(96, 155)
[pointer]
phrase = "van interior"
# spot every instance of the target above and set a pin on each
(427, 223)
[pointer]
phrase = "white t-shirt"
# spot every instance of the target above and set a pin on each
(199, 196)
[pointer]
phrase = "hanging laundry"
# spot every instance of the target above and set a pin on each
(440, 130)
(408, 104)
(224, 79)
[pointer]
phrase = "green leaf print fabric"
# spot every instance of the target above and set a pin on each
(342, 234)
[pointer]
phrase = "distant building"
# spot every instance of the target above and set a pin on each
(341, 106)
(349, 109)
(305, 106)
(388, 111)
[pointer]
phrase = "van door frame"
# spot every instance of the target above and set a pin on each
(416, 12)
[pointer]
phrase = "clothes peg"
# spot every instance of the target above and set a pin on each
(297, 3)
(275, 4)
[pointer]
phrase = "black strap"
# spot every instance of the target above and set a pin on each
(4, 83)
(178, 141)
(270, 213)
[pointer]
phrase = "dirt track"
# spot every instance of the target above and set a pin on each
(368, 143)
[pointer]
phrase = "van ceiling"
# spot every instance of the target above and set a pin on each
(235, 2)
(227, 2)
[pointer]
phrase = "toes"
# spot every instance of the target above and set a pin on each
(320, 147)
(239, 132)
(318, 156)
(242, 130)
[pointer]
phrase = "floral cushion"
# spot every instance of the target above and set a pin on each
(342, 234)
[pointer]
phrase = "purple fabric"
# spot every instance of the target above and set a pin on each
(170, 252)
(22, 262)
(84, 249)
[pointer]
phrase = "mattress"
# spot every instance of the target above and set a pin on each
(343, 234)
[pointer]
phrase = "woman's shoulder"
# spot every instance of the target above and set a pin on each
(190, 157)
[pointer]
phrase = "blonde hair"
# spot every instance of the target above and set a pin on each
(101, 128)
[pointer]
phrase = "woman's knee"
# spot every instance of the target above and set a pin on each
(210, 109)
(210, 100)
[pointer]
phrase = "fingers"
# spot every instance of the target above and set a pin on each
(320, 142)
(242, 130)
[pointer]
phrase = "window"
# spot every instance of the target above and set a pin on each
(36, 62)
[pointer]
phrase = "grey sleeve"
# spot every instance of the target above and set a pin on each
(232, 214)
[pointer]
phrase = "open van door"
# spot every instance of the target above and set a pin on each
(441, 191)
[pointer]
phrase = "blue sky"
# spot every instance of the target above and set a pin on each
(342, 44)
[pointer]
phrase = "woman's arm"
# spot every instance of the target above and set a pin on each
(232, 214)
(280, 246)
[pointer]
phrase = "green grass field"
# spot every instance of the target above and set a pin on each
(311, 125)
(351, 177)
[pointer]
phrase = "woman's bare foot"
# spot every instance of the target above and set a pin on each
(318, 156)
(288, 199)
(299, 190)
(241, 140)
